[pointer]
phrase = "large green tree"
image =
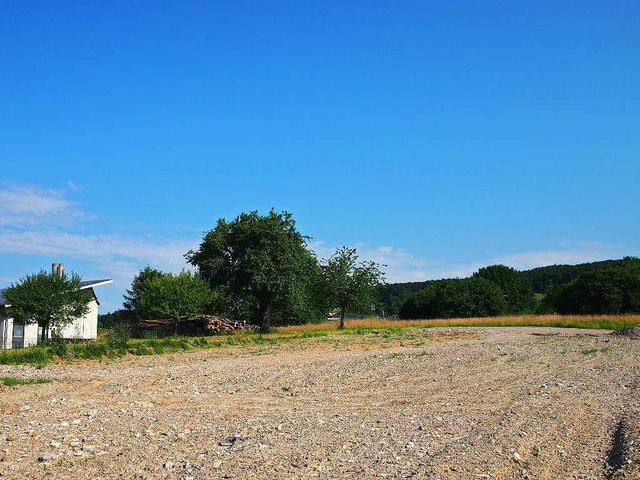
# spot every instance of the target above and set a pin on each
(260, 268)
(173, 296)
(350, 284)
(53, 301)
(132, 299)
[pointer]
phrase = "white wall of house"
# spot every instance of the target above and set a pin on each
(84, 328)
(6, 334)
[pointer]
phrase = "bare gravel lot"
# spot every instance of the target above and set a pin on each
(456, 403)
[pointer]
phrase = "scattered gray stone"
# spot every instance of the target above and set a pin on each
(229, 441)
(45, 457)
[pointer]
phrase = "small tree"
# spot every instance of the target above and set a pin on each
(349, 283)
(50, 300)
(173, 296)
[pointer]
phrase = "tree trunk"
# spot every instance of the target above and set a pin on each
(265, 317)
(43, 335)
(342, 314)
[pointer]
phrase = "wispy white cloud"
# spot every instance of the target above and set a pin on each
(73, 185)
(101, 248)
(28, 205)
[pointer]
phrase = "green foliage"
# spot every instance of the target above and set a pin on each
(392, 296)
(200, 342)
(589, 351)
(36, 356)
(421, 304)
(88, 350)
(545, 279)
(108, 320)
(13, 381)
(260, 269)
(172, 296)
(119, 336)
(133, 298)
(457, 298)
(517, 290)
(51, 301)
(349, 284)
(612, 291)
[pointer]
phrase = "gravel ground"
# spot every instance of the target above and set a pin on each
(464, 403)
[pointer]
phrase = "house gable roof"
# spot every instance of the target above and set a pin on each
(94, 283)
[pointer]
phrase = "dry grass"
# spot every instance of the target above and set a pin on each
(611, 322)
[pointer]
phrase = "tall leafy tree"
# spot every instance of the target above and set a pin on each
(53, 301)
(132, 299)
(350, 284)
(259, 266)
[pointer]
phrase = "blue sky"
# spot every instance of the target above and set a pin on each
(436, 137)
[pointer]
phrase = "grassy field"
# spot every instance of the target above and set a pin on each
(369, 331)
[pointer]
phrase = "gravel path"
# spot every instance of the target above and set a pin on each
(467, 403)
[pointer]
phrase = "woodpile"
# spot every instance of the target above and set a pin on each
(219, 324)
(199, 325)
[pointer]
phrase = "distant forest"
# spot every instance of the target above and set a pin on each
(610, 286)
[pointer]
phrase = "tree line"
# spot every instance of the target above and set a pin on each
(607, 287)
(259, 269)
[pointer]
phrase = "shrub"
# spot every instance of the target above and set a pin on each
(57, 346)
(88, 350)
(118, 336)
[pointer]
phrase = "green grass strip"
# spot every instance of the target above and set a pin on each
(13, 381)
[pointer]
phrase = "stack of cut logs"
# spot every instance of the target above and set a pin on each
(218, 324)
(201, 324)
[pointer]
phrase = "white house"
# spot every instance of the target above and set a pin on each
(18, 335)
